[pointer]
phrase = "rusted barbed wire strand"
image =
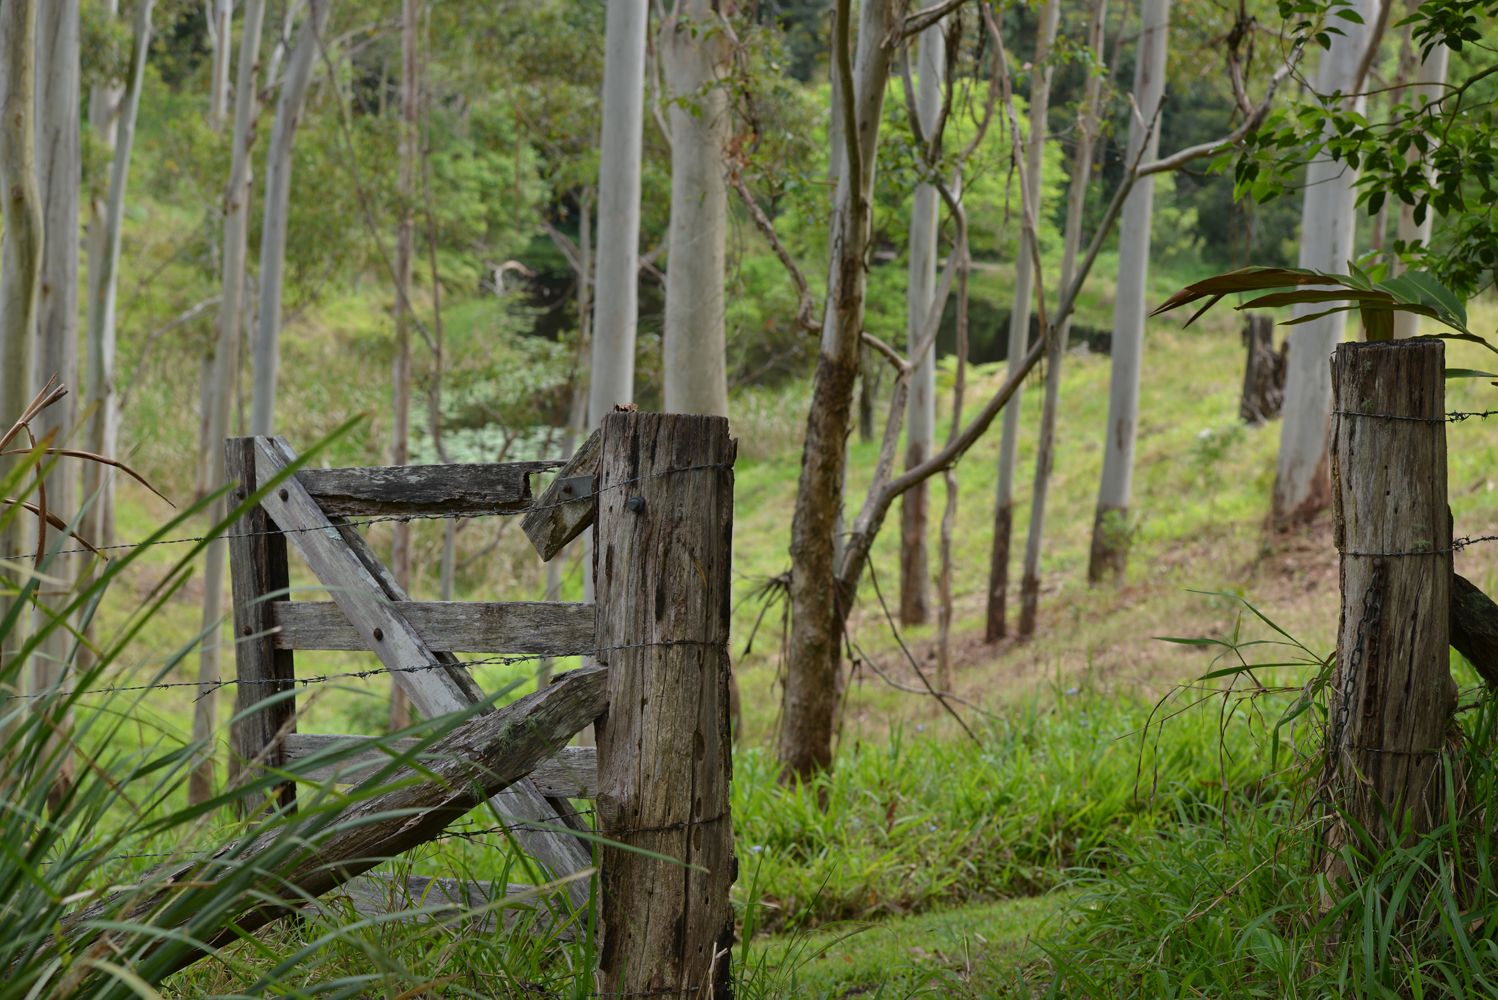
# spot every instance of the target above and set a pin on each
(1450, 417)
(381, 518)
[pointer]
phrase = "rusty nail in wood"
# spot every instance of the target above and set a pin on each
(635, 503)
(247, 630)
(379, 634)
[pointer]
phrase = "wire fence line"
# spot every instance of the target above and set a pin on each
(359, 522)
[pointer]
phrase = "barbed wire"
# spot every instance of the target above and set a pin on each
(360, 522)
(1450, 417)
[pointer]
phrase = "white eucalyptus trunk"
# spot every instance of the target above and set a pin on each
(273, 226)
(615, 305)
(1428, 86)
(1302, 484)
(60, 176)
(220, 14)
(695, 52)
(920, 421)
(225, 357)
(100, 398)
(1110, 541)
(1045, 451)
(1019, 328)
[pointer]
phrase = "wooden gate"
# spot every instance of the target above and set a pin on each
(658, 492)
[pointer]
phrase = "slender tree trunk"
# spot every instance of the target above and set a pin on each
(615, 307)
(944, 678)
(1302, 485)
(1045, 453)
(400, 433)
(920, 422)
(1019, 329)
(274, 219)
(1429, 84)
(101, 403)
(1110, 537)
(225, 357)
(809, 707)
(220, 15)
(695, 52)
(60, 176)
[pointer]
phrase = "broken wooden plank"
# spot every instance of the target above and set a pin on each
(475, 905)
(320, 849)
(424, 489)
(571, 774)
(1474, 627)
(559, 514)
(534, 627)
(365, 601)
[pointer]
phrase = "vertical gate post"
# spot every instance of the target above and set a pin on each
(1393, 696)
(259, 573)
(661, 563)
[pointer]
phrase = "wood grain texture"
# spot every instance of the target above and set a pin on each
(1393, 695)
(548, 629)
(472, 905)
(424, 489)
(662, 560)
(556, 520)
(571, 774)
(342, 562)
(279, 872)
(259, 573)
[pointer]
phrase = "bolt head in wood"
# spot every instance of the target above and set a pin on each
(635, 503)
(284, 495)
(379, 634)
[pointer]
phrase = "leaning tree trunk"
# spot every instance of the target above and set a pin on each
(1302, 486)
(1058, 329)
(100, 400)
(1429, 85)
(60, 174)
(695, 53)
(920, 423)
(273, 226)
(616, 285)
(1110, 536)
(1392, 693)
(225, 371)
(809, 704)
(996, 627)
(400, 375)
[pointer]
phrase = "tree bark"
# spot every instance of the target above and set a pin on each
(225, 372)
(220, 35)
(273, 227)
(810, 695)
(996, 626)
(101, 400)
(1392, 693)
(1302, 487)
(1110, 536)
(60, 176)
(695, 51)
(1263, 371)
(616, 287)
(920, 423)
(1060, 326)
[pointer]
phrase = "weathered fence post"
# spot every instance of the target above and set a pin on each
(258, 571)
(661, 562)
(1393, 696)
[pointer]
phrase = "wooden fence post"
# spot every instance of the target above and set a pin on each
(661, 562)
(1393, 696)
(258, 571)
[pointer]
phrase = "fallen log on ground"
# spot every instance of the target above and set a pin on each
(287, 867)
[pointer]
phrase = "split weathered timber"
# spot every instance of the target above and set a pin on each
(662, 554)
(259, 573)
(474, 904)
(283, 868)
(1474, 627)
(1393, 696)
(560, 515)
(533, 627)
(340, 559)
(571, 774)
(424, 489)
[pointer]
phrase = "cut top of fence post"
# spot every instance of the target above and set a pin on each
(1393, 695)
(662, 556)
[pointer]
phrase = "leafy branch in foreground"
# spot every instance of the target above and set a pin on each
(1375, 300)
